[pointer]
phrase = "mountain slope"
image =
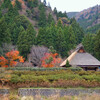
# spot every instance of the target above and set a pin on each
(89, 18)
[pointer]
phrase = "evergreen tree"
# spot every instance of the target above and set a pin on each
(32, 3)
(22, 43)
(72, 38)
(5, 36)
(31, 34)
(15, 34)
(79, 33)
(21, 20)
(18, 5)
(25, 40)
(0, 14)
(46, 36)
(60, 42)
(41, 38)
(97, 45)
(49, 37)
(88, 42)
(55, 10)
(50, 19)
(42, 16)
(14, 30)
(7, 3)
(66, 36)
(59, 23)
(67, 64)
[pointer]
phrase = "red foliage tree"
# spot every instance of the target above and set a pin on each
(11, 59)
(50, 60)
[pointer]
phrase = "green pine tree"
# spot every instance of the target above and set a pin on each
(60, 42)
(72, 38)
(25, 40)
(50, 19)
(41, 38)
(0, 14)
(5, 36)
(42, 16)
(88, 42)
(97, 45)
(67, 64)
(18, 5)
(79, 33)
(31, 34)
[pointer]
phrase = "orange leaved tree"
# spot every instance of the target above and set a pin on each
(11, 59)
(50, 60)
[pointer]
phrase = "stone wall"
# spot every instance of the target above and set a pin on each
(51, 92)
(4, 91)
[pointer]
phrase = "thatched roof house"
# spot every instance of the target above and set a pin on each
(82, 59)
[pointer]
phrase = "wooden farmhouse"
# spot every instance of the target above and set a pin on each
(80, 58)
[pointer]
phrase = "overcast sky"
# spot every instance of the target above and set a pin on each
(72, 5)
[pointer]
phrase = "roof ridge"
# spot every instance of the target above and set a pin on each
(69, 58)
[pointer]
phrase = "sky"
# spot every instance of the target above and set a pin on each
(72, 5)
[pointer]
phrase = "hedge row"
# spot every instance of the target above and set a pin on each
(43, 69)
(61, 78)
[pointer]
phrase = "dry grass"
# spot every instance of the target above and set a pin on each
(55, 97)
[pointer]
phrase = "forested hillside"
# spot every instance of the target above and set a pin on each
(89, 18)
(24, 23)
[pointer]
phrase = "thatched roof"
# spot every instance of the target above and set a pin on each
(81, 59)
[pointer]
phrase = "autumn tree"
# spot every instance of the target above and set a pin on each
(11, 58)
(50, 60)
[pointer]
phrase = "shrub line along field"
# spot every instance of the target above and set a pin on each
(52, 78)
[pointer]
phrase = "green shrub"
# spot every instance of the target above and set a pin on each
(91, 77)
(35, 69)
(67, 64)
(75, 68)
(43, 69)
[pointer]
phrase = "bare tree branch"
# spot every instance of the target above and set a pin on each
(37, 52)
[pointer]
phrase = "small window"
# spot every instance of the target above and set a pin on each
(81, 50)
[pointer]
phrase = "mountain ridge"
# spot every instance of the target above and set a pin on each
(88, 18)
